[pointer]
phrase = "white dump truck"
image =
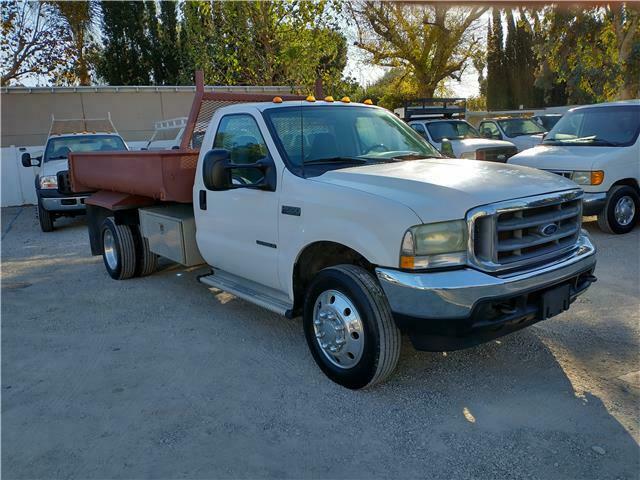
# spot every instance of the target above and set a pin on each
(340, 213)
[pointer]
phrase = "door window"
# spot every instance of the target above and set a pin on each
(420, 129)
(489, 129)
(240, 135)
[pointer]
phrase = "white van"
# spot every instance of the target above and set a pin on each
(597, 147)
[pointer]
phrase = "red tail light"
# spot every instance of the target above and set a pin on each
(480, 155)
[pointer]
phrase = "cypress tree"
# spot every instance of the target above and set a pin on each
(169, 45)
(125, 59)
(497, 83)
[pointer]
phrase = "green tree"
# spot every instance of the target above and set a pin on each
(125, 58)
(586, 55)
(169, 46)
(432, 42)
(261, 43)
(497, 83)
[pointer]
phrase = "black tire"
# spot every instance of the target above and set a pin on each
(122, 265)
(382, 337)
(45, 218)
(146, 260)
(607, 218)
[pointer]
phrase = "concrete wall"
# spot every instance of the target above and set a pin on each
(26, 112)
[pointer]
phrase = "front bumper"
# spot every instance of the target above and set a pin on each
(593, 203)
(455, 309)
(54, 201)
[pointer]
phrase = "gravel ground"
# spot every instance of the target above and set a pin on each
(161, 377)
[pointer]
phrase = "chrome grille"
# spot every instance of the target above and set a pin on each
(518, 233)
(500, 154)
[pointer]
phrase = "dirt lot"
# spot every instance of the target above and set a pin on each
(161, 377)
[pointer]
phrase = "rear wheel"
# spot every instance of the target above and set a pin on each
(146, 260)
(118, 250)
(620, 213)
(349, 327)
(45, 218)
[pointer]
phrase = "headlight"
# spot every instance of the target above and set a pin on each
(442, 244)
(595, 177)
(49, 181)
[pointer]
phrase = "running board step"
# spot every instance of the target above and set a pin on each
(250, 291)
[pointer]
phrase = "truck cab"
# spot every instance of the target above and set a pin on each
(53, 189)
(597, 147)
(522, 132)
(343, 215)
(465, 141)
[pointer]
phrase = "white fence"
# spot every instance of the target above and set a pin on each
(18, 187)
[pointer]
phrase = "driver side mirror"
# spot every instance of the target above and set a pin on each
(27, 161)
(217, 172)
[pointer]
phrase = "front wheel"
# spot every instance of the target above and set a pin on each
(45, 218)
(620, 213)
(349, 327)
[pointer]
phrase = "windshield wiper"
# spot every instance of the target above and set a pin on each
(323, 161)
(585, 140)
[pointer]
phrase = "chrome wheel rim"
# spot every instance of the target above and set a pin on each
(625, 210)
(338, 329)
(109, 247)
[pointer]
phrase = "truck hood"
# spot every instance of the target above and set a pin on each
(554, 157)
(524, 142)
(52, 167)
(445, 189)
(472, 144)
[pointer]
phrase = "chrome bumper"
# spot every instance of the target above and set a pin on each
(62, 204)
(593, 203)
(453, 294)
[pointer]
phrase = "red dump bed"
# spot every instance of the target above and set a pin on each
(162, 175)
(135, 177)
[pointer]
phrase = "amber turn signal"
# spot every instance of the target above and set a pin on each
(311, 98)
(328, 98)
(597, 177)
(277, 100)
(345, 100)
(407, 262)
(368, 102)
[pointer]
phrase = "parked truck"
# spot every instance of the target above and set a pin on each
(340, 213)
(440, 121)
(53, 190)
(598, 147)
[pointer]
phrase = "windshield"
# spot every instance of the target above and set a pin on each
(59, 148)
(515, 127)
(349, 134)
(454, 130)
(599, 126)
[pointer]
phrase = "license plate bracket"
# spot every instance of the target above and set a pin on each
(555, 301)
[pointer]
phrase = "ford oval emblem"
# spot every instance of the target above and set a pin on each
(548, 229)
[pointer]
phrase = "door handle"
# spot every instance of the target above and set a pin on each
(203, 199)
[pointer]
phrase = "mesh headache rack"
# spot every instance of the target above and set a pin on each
(432, 108)
(63, 126)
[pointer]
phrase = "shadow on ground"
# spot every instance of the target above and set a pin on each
(161, 377)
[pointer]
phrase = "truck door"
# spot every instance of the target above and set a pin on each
(238, 228)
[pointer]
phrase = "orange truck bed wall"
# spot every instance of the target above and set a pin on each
(165, 175)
